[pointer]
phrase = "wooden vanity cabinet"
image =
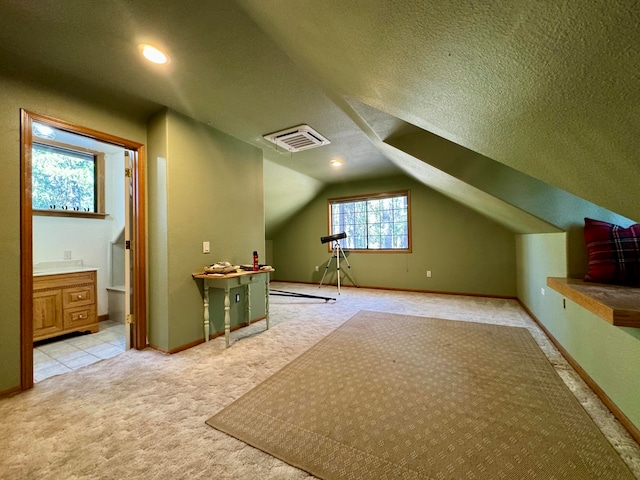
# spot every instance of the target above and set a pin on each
(64, 303)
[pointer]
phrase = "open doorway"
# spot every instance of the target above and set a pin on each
(120, 262)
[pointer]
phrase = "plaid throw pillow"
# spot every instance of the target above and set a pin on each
(614, 252)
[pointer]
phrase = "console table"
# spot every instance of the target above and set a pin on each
(226, 282)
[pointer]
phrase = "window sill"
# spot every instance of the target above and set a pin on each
(619, 305)
(68, 213)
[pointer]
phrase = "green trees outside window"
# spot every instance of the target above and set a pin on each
(372, 222)
(63, 179)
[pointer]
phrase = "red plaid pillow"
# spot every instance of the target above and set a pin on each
(614, 252)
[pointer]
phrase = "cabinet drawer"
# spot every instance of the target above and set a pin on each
(78, 296)
(246, 279)
(62, 280)
(76, 317)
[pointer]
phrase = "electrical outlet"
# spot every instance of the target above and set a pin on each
(317, 268)
(206, 247)
(67, 255)
(543, 291)
(428, 273)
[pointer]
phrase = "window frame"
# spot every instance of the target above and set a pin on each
(366, 197)
(99, 181)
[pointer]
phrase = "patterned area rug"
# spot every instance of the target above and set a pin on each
(389, 396)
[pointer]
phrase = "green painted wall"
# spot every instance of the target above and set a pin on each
(539, 256)
(610, 355)
(465, 252)
(546, 202)
(158, 292)
(285, 202)
(209, 188)
(64, 106)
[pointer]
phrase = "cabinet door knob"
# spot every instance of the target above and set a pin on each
(79, 297)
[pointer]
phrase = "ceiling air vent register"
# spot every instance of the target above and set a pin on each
(296, 139)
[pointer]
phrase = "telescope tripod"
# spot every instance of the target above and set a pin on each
(336, 252)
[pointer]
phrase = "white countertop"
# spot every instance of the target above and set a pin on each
(58, 267)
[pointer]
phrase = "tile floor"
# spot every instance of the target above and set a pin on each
(70, 352)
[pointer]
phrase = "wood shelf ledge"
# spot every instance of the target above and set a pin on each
(617, 304)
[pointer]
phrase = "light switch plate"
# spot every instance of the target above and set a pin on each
(206, 247)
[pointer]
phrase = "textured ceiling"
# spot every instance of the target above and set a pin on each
(224, 71)
(550, 88)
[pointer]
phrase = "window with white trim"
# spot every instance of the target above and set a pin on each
(377, 222)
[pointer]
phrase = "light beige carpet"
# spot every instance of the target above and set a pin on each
(398, 396)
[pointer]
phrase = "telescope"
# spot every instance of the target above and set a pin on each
(332, 238)
(336, 253)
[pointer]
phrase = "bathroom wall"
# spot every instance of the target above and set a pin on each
(115, 186)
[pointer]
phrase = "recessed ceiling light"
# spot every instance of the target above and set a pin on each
(335, 163)
(152, 54)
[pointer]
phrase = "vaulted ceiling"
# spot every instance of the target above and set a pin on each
(445, 91)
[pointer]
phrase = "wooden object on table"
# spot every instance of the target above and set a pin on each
(226, 282)
(64, 303)
(619, 305)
